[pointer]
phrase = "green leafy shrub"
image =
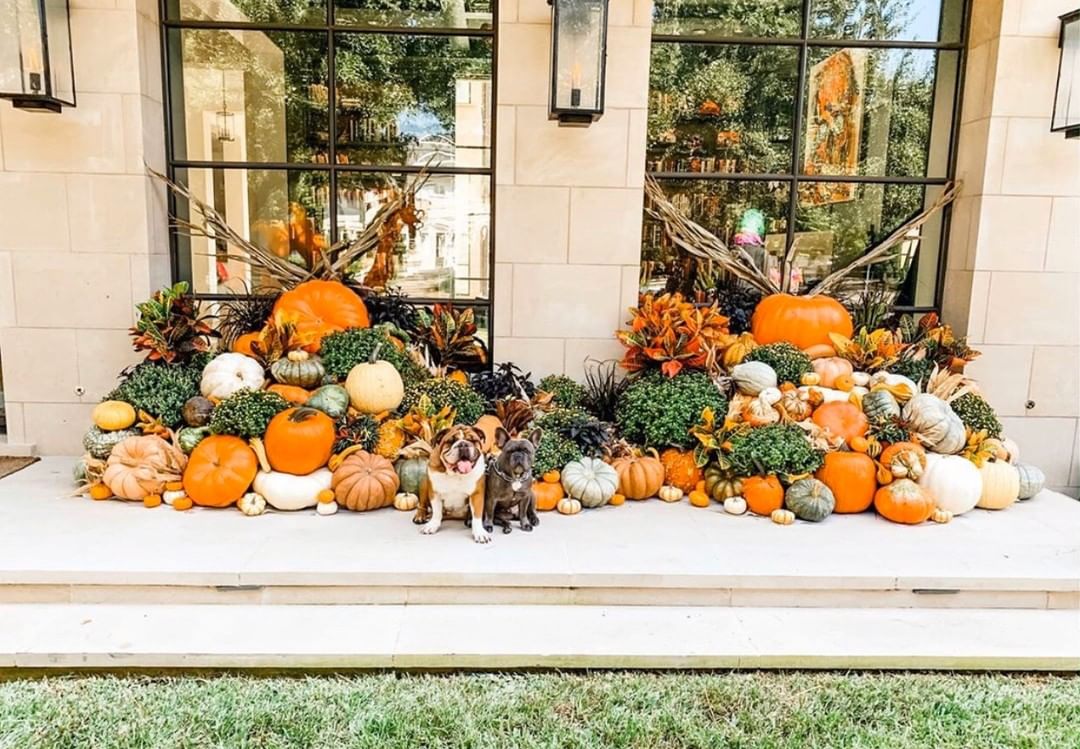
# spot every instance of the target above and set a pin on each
(789, 362)
(658, 411)
(246, 413)
(976, 414)
(776, 448)
(564, 391)
(342, 351)
(916, 370)
(363, 431)
(554, 452)
(467, 404)
(159, 389)
(580, 427)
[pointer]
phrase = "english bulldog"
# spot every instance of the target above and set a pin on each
(454, 484)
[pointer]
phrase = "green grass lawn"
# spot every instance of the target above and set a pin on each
(511, 711)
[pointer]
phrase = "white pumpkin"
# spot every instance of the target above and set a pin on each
(285, 491)
(935, 423)
(1000, 485)
(252, 504)
(1012, 449)
(753, 376)
(406, 501)
(168, 497)
(735, 505)
(230, 373)
(954, 482)
(326, 508)
(590, 480)
(861, 379)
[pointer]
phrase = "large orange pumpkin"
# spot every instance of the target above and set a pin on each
(763, 494)
(852, 478)
(842, 419)
(640, 476)
(299, 440)
(322, 307)
(904, 501)
(365, 481)
(242, 345)
(680, 469)
(219, 471)
(802, 320)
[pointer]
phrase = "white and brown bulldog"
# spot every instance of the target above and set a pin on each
(454, 484)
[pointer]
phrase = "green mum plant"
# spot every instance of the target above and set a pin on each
(564, 391)
(782, 449)
(553, 453)
(580, 427)
(977, 414)
(343, 350)
(789, 362)
(247, 413)
(159, 389)
(466, 403)
(658, 411)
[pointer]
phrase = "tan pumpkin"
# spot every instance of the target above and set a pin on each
(640, 476)
(375, 386)
(139, 466)
(364, 481)
(406, 502)
(830, 368)
(1000, 485)
(669, 493)
(568, 506)
(782, 517)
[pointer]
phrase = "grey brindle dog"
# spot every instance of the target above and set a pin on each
(510, 482)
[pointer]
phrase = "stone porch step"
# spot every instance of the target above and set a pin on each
(496, 637)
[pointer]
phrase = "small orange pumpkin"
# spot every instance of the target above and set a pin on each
(680, 469)
(763, 494)
(552, 477)
(294, 394)
(904, 501)
(699, 498)
(548, 494)
(852, 478)
(219, 471)
(842, 419)
(365, 481)
(299, 440)
(617, 499)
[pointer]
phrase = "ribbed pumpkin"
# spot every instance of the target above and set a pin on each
(364, 482)
(113, 415)
(298, 368)
(228, 374)
(1000, 485)
(720, 485)
(139, 466)
(763, 494)
(880, 406)
(842, 419)
(220, 470)
(1032, 480)
(680, 468)
(332, 400)
(904, 501)
(810, 500)
(851, 477)
(902, 460)
(935, 423)
(299, 440)
(590, 480)
(322, 307)
(802, 320)
(640, 476)
(411, 472)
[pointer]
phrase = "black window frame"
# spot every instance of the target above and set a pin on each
(804, 43)
(167, 24)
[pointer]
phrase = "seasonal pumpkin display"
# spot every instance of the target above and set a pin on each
(590, 480)
(548, 494)
(904, 501)
(568, 506)
(318, 308)
(698, 498)
(288, 491)
(375, 386)
(364, 481)
(294, 394)
(1000, 485)
(842, 419)
(830, 368)
(299, 440)
(935, 424)
(669, 493)
(753, 376)
(851, 477)
(332, 400)
(1032, 480)
(782, 517)
(139, 466)
(902, 460)
(810, 500)
(954, 482)
(219, 471)
(230, 373)
(298, 368)
(640, 476)
(735, 505)
(763, 494)
(680, 468)
(252, 504)
(804, 321)
(113, 415)
(406, 501)
(99, 443)
(197, 411)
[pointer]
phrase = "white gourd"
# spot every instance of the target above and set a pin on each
(753, 376)
(954, 482)
(285, 491)
(230, 373)
(735, 505)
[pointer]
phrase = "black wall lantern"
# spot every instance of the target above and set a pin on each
(35, 55)
(578, 60)
(1067, 97)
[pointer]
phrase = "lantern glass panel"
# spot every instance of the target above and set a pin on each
(1067, 102)
(579, 55)
(22, 53)
(60, 66)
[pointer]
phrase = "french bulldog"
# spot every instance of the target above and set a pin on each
(509, 490)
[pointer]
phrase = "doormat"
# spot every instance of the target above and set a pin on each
(9, 466)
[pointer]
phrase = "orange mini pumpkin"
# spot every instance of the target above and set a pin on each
(640, 476)
(294, 394)
(299, 440)
(365, 481)
(904, 501)
(322, 307)
(548, 494)
(680, 469)
(763, 494)
(852, 478)
(802, 320)
(842, 419)
(219, 471)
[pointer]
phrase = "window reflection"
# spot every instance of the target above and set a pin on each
(894, 20)
(451, 14)
(717, 18)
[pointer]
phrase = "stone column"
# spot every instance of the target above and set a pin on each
(82, 229)
(568, 206)
(1013, 278)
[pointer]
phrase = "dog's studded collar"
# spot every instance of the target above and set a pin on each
(515, 484)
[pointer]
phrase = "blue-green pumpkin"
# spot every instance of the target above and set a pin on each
(332, 400)
(810, 500)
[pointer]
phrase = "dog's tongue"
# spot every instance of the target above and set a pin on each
(463, 466)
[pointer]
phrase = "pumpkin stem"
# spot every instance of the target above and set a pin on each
(375, 353)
